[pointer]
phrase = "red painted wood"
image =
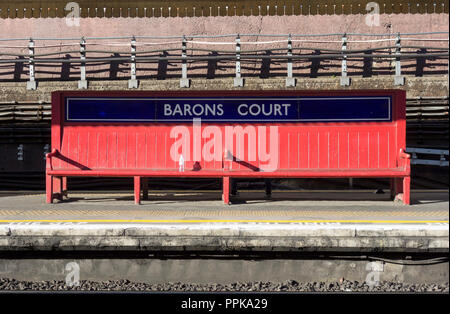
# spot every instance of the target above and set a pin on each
(358, 149)
(305, 173)
(226, 190)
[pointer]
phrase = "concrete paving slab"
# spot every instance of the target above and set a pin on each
(185, 207)
(311, 222)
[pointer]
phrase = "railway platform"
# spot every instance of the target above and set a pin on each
(293, 221)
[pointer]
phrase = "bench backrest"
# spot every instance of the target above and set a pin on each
(331, 130)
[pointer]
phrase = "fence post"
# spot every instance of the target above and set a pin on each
(82, 83)
(398, 79)
(345, 80)
(184, 81)
(290, 80)
(31, 84)
(133, 82)
(238, 80)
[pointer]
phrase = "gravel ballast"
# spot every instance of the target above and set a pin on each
(287, 286)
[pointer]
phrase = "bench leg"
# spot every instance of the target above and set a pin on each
(137, 190)
(57, 188)
(226, 190)
(64, 187)
(400, 190)
(145, 188)
(406, 190)
(48, 189)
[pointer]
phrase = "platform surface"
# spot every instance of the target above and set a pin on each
(202, 206)
(295, 221)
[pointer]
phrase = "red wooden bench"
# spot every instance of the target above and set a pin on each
(336, 149)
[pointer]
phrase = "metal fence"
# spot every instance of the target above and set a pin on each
(286, 48)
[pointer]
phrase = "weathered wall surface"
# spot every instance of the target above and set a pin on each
(415, 87)
(91, 27)
(430, 80)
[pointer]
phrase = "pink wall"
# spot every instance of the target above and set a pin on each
(56, 27)
(103, 27)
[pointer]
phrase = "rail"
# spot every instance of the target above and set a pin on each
(183, 48)
(415, 160)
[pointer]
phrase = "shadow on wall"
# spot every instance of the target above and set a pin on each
(219, 68)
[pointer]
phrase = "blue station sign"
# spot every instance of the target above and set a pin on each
(229, 109)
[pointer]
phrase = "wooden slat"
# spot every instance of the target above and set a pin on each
(52, 5)
(232, 9)
(339, 7)
(240, 8)
(141, 9)
(44, 9)
(264, 11)
(304, 8)
(108, 11)
(129, 12)
(182, 12)
(20, 12)
(115, 5)
(288, 7)
(322, 7)
(330, 7)
(362, 7)
(101, 4)
(3, 10)
(414, 8)
(173, 9)
(221, 8)
(405, 7)
(397, 8)
(254, 9)
(388, 7)
(422, 7)
(214, 8)
(276, 8)
(189, 10)
(92, 12)
(28, 10)
(60, 10)
(439, 7)
(272, 10)
(135, 8)
(84, 9)
(312, 7)
(347, 8)
(430, 6)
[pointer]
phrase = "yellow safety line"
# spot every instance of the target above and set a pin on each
(225, 220)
